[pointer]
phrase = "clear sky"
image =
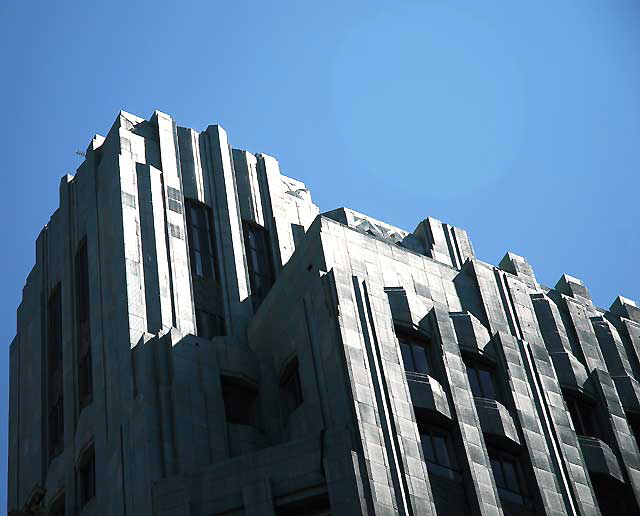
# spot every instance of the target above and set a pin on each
(518, 121)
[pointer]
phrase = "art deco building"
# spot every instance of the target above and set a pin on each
(195, 339)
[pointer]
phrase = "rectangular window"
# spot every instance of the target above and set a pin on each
(583, 415)
(256, 243)
(175, 199)
(54, 313)
(416, 353)
(316, 506)
(240, 402)
(55, 405)
(55, 424)
(290, 387)
(436, 447)
(201, 248)
(481, 380)
(87, 476)
(507, 474)
(208, 325)
(83, 327)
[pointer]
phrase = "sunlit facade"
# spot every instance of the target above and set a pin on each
(196, 339)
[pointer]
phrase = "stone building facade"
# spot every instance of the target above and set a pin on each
(196, 339)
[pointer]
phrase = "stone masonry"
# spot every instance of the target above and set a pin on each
(196, 339)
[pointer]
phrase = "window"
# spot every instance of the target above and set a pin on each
(208, 324)
(83, 327)
(55, 424)
(201, 248)
(481, 380)
(290, 387)
(634, 426)
(55, 405)
(175, 199)
(583, 415)
(54, 313)
(316, 506)
(416, 353)
(240, 402)
(87, 476)
(507, 474)
(256, 243)
(613, 497)
(436, 447)
(57, 507)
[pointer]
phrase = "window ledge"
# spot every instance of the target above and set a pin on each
(428, 394)
(496, 420)
(599, 458)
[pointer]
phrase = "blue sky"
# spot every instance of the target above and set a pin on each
(518, 121)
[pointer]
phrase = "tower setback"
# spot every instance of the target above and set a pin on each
(196, 339)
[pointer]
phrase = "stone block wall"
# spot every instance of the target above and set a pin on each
(384, 372)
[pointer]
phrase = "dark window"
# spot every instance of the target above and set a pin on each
(55, 423)
(614, 498)
(174, 194)
(240, 402)
(83, 326)
(507, 474)
(87, 476)
(54, 313)
(175, 199)
(201, 248)
(55, 405)
(175, 206)
(290, 387)
(57, 507)
(583, 415)
(316, 506)
(175, 231)
(481, 380)
(208, 324)
(436, 447)
(634, 426)
(416, 353)
(256, 243)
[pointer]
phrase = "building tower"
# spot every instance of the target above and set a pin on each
(195, 339)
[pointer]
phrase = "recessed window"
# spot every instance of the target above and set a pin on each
(481, 380)
(315, 506)
(290, 387)
(54, 313)
(240, 402)
(416, 353)
(613, 497)
(437, 450)
(87, 476)
(508, 476)
(256, 243)
(175, 199)
(55, 427)
(634, 426)
(83, 327)
(201, 248)
(209, 325)
(583, 415)
(55, 403)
